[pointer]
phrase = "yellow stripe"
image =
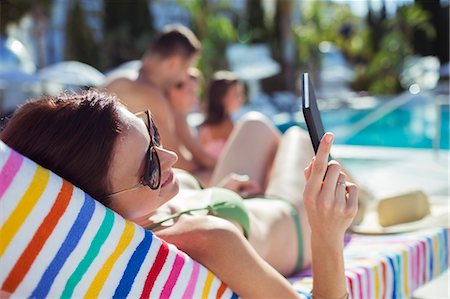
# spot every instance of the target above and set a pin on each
(377, 281)
(24, 207)
(208, 283)
(405, 272)
(102, 275)
(436, 261)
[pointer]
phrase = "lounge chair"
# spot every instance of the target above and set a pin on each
(56, 241)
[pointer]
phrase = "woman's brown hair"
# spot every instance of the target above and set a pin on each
(218, 88)
(72, 134)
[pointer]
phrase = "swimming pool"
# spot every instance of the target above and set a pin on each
(412, 125)
(405, 127)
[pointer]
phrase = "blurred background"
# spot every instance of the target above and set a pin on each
(380, 67)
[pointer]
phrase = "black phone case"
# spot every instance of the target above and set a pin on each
(311, 112)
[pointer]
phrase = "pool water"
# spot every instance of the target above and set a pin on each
(404, 127)
(412, 126)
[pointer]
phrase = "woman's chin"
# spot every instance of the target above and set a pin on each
(170, 190)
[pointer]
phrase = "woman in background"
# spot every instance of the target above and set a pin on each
(225, 96)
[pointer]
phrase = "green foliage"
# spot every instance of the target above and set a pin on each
(11, 11)
(378, 51)
(254, 25)
(381, 72)
(81, 45)
(324, 21)
(128, 29)
(214, 30)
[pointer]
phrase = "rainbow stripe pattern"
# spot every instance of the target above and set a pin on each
(56, 241)
(389, 266)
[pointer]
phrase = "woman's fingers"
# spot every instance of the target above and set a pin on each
(352, 199)
(320, 164)
(308, 168)
(331, 179)
(341, 190)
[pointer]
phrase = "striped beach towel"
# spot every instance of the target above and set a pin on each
(390, 266)
(56, 241)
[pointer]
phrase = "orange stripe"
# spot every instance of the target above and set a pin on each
(383, 265)
(221, 290)
(47, 226)
(24, 207)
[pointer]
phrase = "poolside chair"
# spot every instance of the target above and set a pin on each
(56, 241)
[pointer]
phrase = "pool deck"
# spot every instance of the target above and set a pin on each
(389, 171)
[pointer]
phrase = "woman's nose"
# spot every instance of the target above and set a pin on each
(167, 158)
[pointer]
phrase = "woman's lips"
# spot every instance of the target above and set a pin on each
(168, 180)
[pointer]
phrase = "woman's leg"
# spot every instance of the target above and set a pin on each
(249, 150)
(294, 153)
(288, 182)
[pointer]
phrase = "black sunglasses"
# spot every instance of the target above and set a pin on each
(152, 171)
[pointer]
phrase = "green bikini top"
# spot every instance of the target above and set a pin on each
(224, 204)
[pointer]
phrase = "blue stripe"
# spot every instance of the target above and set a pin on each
(133, 266)
(430, 244)
(69, 244)
(235, 296)
(441, 253)
(446, 247)
(394, 277)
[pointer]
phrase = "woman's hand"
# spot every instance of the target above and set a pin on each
(240, 184)
(331, 203)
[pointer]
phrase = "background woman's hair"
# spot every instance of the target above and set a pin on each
(218, 88)
(72, 134)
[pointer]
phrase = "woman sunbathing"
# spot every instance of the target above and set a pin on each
(225, 96)
(117, 157)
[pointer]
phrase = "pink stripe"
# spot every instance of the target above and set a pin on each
(189, 292)
(415, 270)
(173, 276)
(350, 286)
(424, 261)
(369, 281)
(358, 275)
(9, 171)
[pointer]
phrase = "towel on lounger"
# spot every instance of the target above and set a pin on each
(56, 241)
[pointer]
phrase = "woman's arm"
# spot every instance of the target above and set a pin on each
(218, 245)
(331, 205)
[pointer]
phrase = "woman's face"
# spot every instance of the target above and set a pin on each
(234, 98)
(127, 169)
(184, 95)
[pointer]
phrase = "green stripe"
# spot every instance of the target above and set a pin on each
(94, 249)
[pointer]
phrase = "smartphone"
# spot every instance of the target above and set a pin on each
(311, 112)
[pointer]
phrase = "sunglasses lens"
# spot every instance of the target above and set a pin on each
(152, 177)
(155, 133)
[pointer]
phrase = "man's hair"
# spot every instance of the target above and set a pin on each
(175, 40)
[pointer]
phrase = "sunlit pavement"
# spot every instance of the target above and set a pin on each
(387, 171)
